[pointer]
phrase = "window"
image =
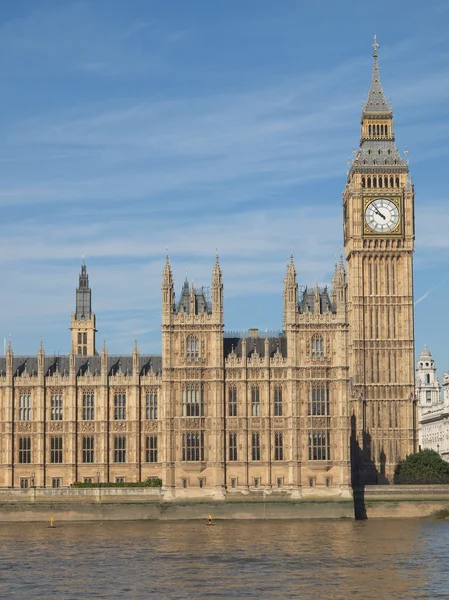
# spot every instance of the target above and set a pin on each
(24, 483)
(88, 406)
(428, 396)
(119, 449)
(319, 401)
(328, 482)
(319, 445)
(255, 446)
(24, 450)
(192, 401)
(84, 338)
(56, 482)
(311, 482)
(184, 483)
(255, 401)
(232, 396)
(233, 482)
(233, 446)
(79, 350)
(80, 337)
(151, 449)
(427, 378)
(56, 407)
(193, 446)
(202, 482)
(278, 401)
(192, 348)
(119, 480)
(256, 482)
(24, 407)
(279, 482)
(151, 405)
(56, 450)
(278, 445)
(120, 406)
(317, 346)
(84, 350)
(88, 449)
(88, 480)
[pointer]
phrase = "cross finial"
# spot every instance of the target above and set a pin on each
(375, 46)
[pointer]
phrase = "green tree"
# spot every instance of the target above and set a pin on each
(426, 466)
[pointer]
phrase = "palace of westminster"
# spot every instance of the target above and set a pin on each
(327, 404)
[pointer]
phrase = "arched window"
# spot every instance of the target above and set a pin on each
(391, 182)
(363, 182)
(79, 349)
(192, 348)
(80, 339)
(397, 181)
(84, 338)
(380, 181)
(255, 401)
(192, 401)
(386, 181)
(84, 350)
(375, 180)
(232, 401)
(317, 346)
(427, 378)
(318, 401)
(369, 182)
(278, 401)
(151, 405)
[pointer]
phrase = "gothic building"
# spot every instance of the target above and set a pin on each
(323, 405)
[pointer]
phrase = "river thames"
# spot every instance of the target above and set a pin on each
(388, 559)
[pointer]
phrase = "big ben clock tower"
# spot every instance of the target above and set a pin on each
(379, 241)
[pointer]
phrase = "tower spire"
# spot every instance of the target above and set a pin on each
(376, 102)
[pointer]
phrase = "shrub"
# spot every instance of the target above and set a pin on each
(422, 467)
(149, 482)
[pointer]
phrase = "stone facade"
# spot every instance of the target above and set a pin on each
(326, 403)
(433, 409)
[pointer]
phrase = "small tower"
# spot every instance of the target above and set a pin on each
(217, 293)
(290, 294)
(168, 293)
(83, 320)
(339, 288)
(427, 384)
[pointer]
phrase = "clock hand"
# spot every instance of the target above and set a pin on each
(379, 213)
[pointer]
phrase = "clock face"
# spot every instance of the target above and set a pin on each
(382, 215)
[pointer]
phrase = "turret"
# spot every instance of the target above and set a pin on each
(339, 288)
(290, 294)
(217, 292)
(427, 384)
(168, 293)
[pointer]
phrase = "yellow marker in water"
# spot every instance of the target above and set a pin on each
(52, 520)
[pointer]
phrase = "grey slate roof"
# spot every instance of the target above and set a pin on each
(83, 364)
(258, 344)
(202, 304)
(378, 152)
(376, 103)
(307, 303)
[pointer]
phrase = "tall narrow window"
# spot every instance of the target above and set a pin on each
(25, 407)
(80, 338)
(151, 405)
(233, 446)
(317, 346)
(119, 449)
(255, 446)
(120, 406)
(192, 347)
(232, 401)
(278, 401)
(319, 400)
(56, 449)
(88, 449)
(278, 445)
(151, 449)
(88, 406)
(255, 401)
(84, 338)
(56, 407)
(193, 446)
(24, 450)
(319, 445)
(192, 401)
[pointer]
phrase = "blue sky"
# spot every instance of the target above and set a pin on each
(129, 127)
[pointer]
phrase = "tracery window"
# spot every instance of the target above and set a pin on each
(233, 446)
(24, 450)
(88, 449)
(119, 449)
(151, 449)
(319, 445)
(319, 400)
(56, 449)
(255, 401)
(193, 446)
(56, 407)
(255, 446)
(192, 401)
(192, 348)
(278, 445)
(151, 406)
(25, 407)
(120, 406)
(88, 406)
(232, 401)
(317, 346)
(278, 401)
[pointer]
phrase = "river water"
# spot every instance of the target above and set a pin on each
(388, 559)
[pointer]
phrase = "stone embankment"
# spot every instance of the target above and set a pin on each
(121, 504)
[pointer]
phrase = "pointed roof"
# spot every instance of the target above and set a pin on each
(216, 273)
(291, 271)
(376, 102)
(167, 273)
(425, 354)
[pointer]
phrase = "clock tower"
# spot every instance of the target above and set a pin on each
(378, 219)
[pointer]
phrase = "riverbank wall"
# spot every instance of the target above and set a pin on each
(129, 504)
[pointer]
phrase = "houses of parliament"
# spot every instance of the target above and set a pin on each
(324, 405)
